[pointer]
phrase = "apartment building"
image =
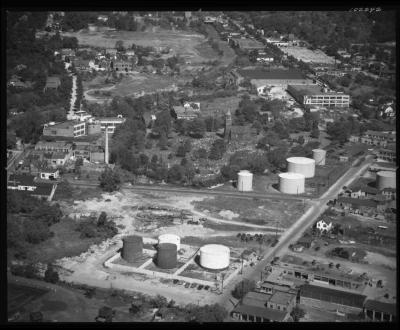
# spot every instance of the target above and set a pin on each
(69, 128)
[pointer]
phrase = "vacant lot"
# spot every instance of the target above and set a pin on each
(220, 106)
(180, 42)
(308, 55)
(18, 296)
(270, 213)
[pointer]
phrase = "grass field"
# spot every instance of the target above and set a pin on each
(273, 212)
(18, 296)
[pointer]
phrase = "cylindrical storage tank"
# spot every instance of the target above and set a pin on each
(291, 183)
(214, 256)
(319, 156)
(170, 238)
(385, 179)
(167, 255)
(132, 247)
(245, 181)
(302, 165)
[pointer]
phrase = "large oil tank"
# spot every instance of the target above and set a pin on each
(245, 181)
(385, 179)
(291, 183)
(132, 247)
(170, 238)
(319, 156)
(167, 255)
(302, 165)
(214, 256)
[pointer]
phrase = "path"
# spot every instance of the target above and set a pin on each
(73, 97)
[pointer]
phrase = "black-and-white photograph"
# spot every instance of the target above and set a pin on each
(201, 166)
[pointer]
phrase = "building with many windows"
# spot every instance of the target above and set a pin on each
(110, 122)
(314, 95)
(378, 138)
(69, 128)
(388, 154)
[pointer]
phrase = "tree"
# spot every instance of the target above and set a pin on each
(102, 220)
(47, 214)
(297, 313)
(163, 142)
(109, 180)
(200, 153)
(181, 152)
(36, 231)
(119, 45)
(217, 150)
(51, 275)
(176, 173)
(243, 287)
(277, 158)
(196, 128)
(315, 133)
(163, 123)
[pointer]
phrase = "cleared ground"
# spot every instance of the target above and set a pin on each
(220, 106)
(308, 55)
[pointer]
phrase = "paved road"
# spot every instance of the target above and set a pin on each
(158, 188)
(296, 231)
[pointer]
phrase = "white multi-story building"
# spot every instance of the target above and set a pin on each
(314, 95)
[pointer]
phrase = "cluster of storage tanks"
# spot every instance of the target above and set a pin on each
(299, 169)
(212, 256)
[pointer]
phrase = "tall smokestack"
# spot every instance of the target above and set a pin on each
(106, 151)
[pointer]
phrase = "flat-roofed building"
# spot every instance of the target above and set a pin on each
(273, 77)
(52, 83)
(54, 146)
(69, 128)
(388, 154)
(109, 122)
(378, 138)
(314, 95)
(343, 301)
(123, 66)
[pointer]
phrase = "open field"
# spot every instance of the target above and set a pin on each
(18, 296)
(180, 42)
(220, 106)
(307, 55)
(272, 213)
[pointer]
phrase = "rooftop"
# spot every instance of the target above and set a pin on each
(312, 89)
(381, 306)
(267, 313)
(282, 298)
(271, 74)
(53, 80)
(357, 201)
(58, 155)
(65, 124)
(54, 144)
(248, 43)
(255, 299)
(332, 295)
(22, 179)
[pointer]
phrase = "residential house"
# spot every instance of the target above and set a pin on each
(375, 310)
(387, 154)
(123, 66)
(185, 113)
(283, 301)
(323, 227)
(343, 159)
(57, 159)
(389, 193)
(195, 106)
(378, 138)
(343, 301)
(25, 183)
(306, 241)
(358, 206)
(111, 52)
(49, 173)
(16, 82)
(354, 138)
(67, 54)
(69, 128)
(103, 18)
(82, 65)
(52, 83)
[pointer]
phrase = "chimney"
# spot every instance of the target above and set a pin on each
(106, 147)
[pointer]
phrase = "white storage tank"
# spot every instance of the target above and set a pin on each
(302, 165)
(245, 181)
(319, 156)
(291, 183)
(170, 238)
(385, 179)
(214, 256)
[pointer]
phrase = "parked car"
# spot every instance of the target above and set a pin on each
(200, 287)
(175, 281)
(187, 285)
(193, 285)
(207, 287)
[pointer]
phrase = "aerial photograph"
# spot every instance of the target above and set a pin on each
(201, 166)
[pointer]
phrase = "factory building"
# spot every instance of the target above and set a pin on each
(375, 310)
(388, 154)
(302, 165)
(245, 181)
(319, 155)
(314, 95)
(386, 179)
(291, 183)
(214, 256)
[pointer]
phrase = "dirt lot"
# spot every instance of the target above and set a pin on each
(272, 213)
(307, 55)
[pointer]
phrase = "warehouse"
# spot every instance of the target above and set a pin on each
(318, 296)
(274, 77)
(314, 95)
